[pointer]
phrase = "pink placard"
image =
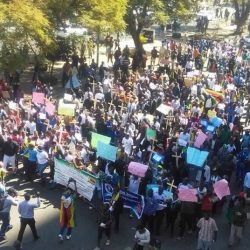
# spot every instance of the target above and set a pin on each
(200, 139)
(137, 169)
(187, 195)
(38, 97)
(50, 108)
(221, 188)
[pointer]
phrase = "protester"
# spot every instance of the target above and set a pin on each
(142, 238)
(104, 225)
(116, 207)
(26, 211)
(207, 232)
(180, 123)
(67, 211)
(7, 201)
(239, 217)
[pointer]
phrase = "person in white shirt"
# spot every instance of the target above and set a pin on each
(184, 138)
(239, 109)
(160, 211)
(189, 66)
(107, 84)
(31, 126)
(208, 103)
(99, 96)
(131, 106)
(127, 143)
(42, 161)
(5, 212)
(26, 211)
(69, 157)
(206, 174)
(142, 237)
(184, 184)
(88, 94)
(211, 82)
(157, 125)
(113, 112)
(134, 182)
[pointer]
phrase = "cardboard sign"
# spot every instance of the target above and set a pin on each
(137, 168)
(164, 109)
(42, 116)
(196, 157)
(38, 97)
(221, 188)
(216, 121)
(200, 139)
(68, 97)
(188, 195)
(151, 134)
(66, 108)
(50, 107)
(97, 137)
(148, 117)
(106, 151)
(5, 94)
(85, 181)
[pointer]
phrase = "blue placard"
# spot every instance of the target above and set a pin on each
(210, 128)
(216, 121)
(157, 158)
(155, 187)
(106, 151)
(196, 157)
(204, 122)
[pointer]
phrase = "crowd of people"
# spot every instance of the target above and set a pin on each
(195, 81)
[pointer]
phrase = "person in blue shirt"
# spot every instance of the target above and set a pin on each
(245, 140)
(32, 160)
(148, 216)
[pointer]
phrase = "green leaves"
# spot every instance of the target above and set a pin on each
(105, 16)
(23, 28)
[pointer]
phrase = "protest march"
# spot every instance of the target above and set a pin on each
(165, 143)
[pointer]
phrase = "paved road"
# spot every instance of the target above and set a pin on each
(84, 236)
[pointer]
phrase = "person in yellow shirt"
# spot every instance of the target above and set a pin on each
(211, 113)
(3, 173)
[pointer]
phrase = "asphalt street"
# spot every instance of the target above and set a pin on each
(85, 234)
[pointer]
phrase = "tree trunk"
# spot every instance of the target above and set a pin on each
(137, 41)
(97, 48)
(241, 16)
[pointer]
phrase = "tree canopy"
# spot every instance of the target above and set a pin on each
(143, 13)
(23, 27)
(103, 16)
(242, 11)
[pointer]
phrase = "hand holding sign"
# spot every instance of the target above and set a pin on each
(221, 188)
(38, 97)
(188, 195)
(137, 169)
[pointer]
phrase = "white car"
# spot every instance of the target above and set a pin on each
(78, 31)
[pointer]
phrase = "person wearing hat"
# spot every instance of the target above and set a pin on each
(26, 211)
(8, 201)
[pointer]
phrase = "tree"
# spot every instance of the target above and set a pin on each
(104, 16)
(141, 14)
(242, 11)
(23, 28)
(144, 13)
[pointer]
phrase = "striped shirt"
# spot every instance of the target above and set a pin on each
(207, 229)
